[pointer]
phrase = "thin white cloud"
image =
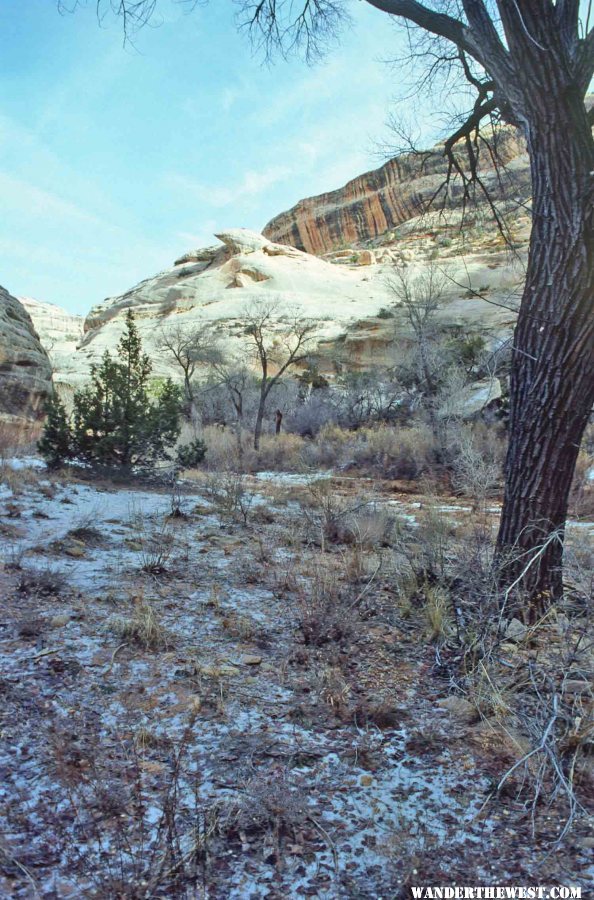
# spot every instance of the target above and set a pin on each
(43, 203)
(253, 184)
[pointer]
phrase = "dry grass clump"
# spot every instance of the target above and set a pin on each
(385, 450)
(88, 535)
(425, 553)
(19, 480)
(244, 629)
(283, 453)
(275, 802)
(333, 518)
(222, 448)
(371, 527)
(227, 451)
(329, 449)
(142, 628)
(156, 540)
(334, 689)
(405, 453)
(438, 612)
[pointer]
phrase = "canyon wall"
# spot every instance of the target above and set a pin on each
(403, 188)
(25, 370)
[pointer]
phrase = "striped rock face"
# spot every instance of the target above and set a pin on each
(373, 203)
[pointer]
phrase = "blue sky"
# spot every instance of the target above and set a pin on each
(113, 160)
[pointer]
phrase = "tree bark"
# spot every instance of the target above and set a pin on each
(259, 421)
(552, 377)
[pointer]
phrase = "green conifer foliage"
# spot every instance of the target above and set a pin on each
(56, 442)
(115, 422)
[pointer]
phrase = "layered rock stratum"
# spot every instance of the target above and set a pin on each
(404, 187)
(60, 333)
(25, 369)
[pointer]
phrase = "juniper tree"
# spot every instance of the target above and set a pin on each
(56, 442)
(115, 422)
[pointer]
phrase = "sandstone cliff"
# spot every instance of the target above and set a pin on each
(25, 370)
(60, 333)
(373, 203)
(216, 284)
(342, 297)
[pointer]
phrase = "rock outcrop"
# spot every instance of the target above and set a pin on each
(60, 333)
(348, 299)
(373, 203)
(25, 370)
(217, 286)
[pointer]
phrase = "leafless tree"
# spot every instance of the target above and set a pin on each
(234, 375)
(189, 347)
(276, 347)
(419, 297)
(529, 63)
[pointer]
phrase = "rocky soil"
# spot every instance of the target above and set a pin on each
(209, 692)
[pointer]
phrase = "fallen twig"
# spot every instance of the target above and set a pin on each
(45, 653)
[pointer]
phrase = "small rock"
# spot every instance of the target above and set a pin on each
(60, 620)
(516, 631)
(75, 551)
(342, 254)
(228, 670)
(459, 708)
(251, 660)
(366, 258)
(133, 545)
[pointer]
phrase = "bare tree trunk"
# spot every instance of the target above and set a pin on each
(259, 421)
(238, 437)
(552, 378)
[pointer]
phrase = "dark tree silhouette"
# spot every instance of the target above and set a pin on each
(274, 353)
(530, 62)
